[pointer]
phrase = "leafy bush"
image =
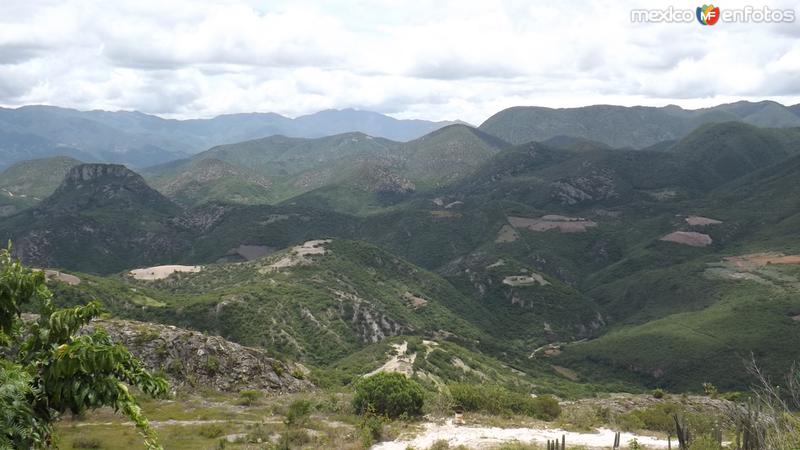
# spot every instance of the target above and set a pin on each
(704, 443)
(211, 431)
(86, 442)
(370, 429)
(653, 418)
(249, 397)
(390, 394)
(658, 393)
(46, 369)
(498, 400)
(298, 413)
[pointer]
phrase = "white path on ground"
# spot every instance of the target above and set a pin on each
(488, 437)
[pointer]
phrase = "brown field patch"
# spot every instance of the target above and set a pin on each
(506, 234)
(161, 272)
(299, 255)
(413, 301)
(525, 280)
(761, 259)
(701, 221)
(72, 280)
(552, 222)
(689, 238)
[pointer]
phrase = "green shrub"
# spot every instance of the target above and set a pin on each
(298, 413)
(634, 444)
(658, 393)
(390, 394)
(710, 390)
(498, 400)
(212, 364)
(211, 431)
(704, 443)
(370, 429)
(441, 444)
(293, 438)
(249, 397)
(86, 442)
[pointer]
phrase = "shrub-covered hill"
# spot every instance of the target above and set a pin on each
(318, 301)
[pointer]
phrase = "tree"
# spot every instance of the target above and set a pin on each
(388, 393)
(46, 369)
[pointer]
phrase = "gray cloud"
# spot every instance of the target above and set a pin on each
(451, 59)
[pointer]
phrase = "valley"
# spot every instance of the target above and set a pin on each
(538, 266)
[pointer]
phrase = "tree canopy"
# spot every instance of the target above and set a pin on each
(47, 367)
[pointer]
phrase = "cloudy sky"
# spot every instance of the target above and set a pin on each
(441, 59)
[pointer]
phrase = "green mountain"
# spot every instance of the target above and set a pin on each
(101, 217)
(664, 267)
(142, 140)
(276, 168)
(620, 126)
(212, 180)
(26, 183)
(350, 172)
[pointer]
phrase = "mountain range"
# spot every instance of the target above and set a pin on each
(140, 140)
(570, 258)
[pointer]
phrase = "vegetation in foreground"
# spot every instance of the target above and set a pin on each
(47, 370)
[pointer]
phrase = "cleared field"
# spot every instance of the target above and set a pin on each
(689, 238)
(161, 272)
(701, 221)
(300, 254)
(552, 222)
(72, 280)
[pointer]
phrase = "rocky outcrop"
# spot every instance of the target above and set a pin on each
(190, 359)
(105, 185)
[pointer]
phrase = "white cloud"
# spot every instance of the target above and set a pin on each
(438, 60)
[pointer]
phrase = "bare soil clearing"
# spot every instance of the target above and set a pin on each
(506, 234)
(71, 280)
(552, 222)
(701, 221)
(689, 238)
(161, 272)
(525, 280)
(300, 255)
(413, 301)
(399, 361)
(755, 260)
(477, 437)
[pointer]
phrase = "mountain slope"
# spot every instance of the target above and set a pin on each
(24, 184)
(141, 140)
(100, 217)
(620, 126)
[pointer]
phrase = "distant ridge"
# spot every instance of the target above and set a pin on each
(139, 140)
(635, 126)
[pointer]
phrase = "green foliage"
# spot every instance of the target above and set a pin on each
(250, 397)
(710, 390)
(211, 431)
(298, 413)
(653, 418)
(370, 429)
(658, 393)
(86, 442)
(388, 393)
(54, 370)
(704, 443)
(498, 400)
